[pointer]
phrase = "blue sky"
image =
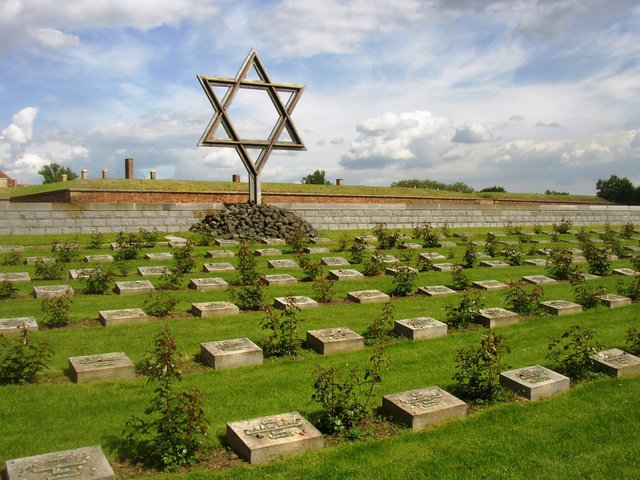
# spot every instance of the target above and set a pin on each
(531, 95)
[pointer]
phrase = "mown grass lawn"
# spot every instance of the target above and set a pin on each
(588, 432)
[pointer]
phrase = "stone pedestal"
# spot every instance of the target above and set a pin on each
(299, 301)
(219, 254)
(261, 439)
(153, 271)
(101, 367)
(410, 246)
(420, 328)
(368, 296)
(82, 273)
(135, 287)
(50, 291)
(333, 340)
(126, 316)
(443, 267)
(345, 274)
(273, 241)
(561, 307)
(98, 258)
(158, 256)
(176, 242)
(264, 252)
(497, 317)
(394, 270)
(538, 262)
(534, 382)
(538, 279)
(334, 261)
(320, 240)
(494, 264)
(15, 277)
(314, 250)
(285, 263)
(432, 256)
(629, 272)
(34, 260)
(435, 290)
(423, 408)
(280, 279)
(14, 325)
(88, 463)
(214, 309)
(217, 267)
(222, 242)
(616, 363)
(205, 284)
(612, 300)
(489, 285)
(226, 354)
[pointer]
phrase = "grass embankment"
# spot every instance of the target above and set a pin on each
(589, 432)
(204, 186)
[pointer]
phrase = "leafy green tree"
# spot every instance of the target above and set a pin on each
(494, 188)
(53, 172)
(617, 190)
(316, 178)
(434, 185)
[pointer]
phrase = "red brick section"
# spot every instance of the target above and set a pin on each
(98, 196)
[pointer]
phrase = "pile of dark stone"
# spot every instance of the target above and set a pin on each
(252, 222)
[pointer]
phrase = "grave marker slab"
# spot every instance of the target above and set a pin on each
(219, 254)
(15, 277)
(87, 463)
(299, 301)
(101, 367)
(273, 241)
(125, 316)
(497, 317)
(588, 276)
(14, 325)
(368, 296)
(561, 307)
(423, 407)
(176, 242)
(410, 246)
(420, 328)
(98, 258)
(345, 274)
(320, 240)
(206, 284)
(217, 267)
(214, 309)
(158, 256)
(432, 256)
(227, 354)
(261, 439)
(81, 273)
(280, 279)
(263, 252)
(154, 271)
(543, 251)
(222, 242)
(134, 287)
(434, 290)
(34, 260)
(312, 250)
(448, 244)
(534, 382)
(388, 259)
(11, 248)
(489, 284)
(538, 279)
(366, 238)
(51, 291)
(334, 261)
(629, 272)
(578, 259)
(612, 300)
(394, 270)
(616, 363)
(494, 264)
(114, 246)
(333, 340)
(443, 267)
(538, 262)
(284, 263)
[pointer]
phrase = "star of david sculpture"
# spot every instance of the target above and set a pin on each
(277, 93)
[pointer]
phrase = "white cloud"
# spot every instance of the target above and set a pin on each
(472, 133)
(52, 38)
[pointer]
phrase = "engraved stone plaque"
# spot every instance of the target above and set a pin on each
(333, 340)
(345, 274)
(101, 367)
(497, 317)
(176, 242)
(588, 276)
(368, 296)
(423, 408)
(394, 270)
(489, 285)
(312, 250)
(98, 258)
(616, 363)
(14, 325)
(261, 439)
(299, 301)
(50, 291)
(448, 244)
(88, 463)
(410, 246)
(538, 279)
(125, 316)
(561, 307)
(434, 290)
(34, 260)
(280, 279)
(538, 262)
(543, 251)
(219, 254)
(366, 238)
(493, 264)
(11, 248)
(629, 272)
(419, 328)
(222, 242)
(578, 259)
(134, 287)
(81, 273)
(153, 271)
(214, 309)
(204, 284)
(443, 267)
(433, 256)
(388, 259)
(534, 382)
(226, 354)
(265, 252)
(217, 267)
(320, 240)
(285, 263)
(158, 256)
(273, 241)
(334, 261)
(15, 277)
(612, 300)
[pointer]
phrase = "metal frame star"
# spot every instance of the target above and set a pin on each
(233, 140)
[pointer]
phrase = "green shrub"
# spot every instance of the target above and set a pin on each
(583, 235)
(635, 261)
(560, 264)
(465, 313)
(424, 264)
(459, 278)
(373, 265)
(324, 289)
(97, 283)
(297, 241)
(563, 227)
(121, 266)
(248, 297)
(148, 238)
(524, 301)
(21, 359)
(586, 294)
(65, 252)
(627, 231)
(597, 258)
(572, 353)
(478, 370)
(404, 281)
(283, 327)
(183, 262)
(633, 340)
(128, 246)
(386, 239)
(513, 255)
(49, 270)
(311, 270)
(490, 245)
(444, 229)
(57, 310)
(159, 304)
(172, 280)
(13, 257)
(632, 290)
(470, 257)
(174, 426)
(382, 327)
(247, 265)
(7, 290)
(357, 250)
(95, 241)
